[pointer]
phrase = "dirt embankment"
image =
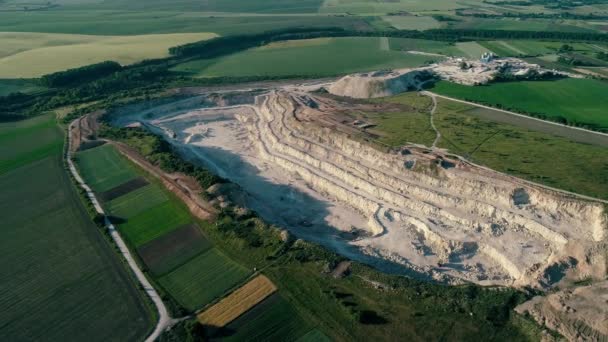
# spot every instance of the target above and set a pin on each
(184, 187)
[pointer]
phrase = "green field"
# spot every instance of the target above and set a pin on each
(398, 127)
(173, 249)
(274, 319)
(103, 168)
(8, 87)
(61, 279)
(154, 222)
(26, 142)
(135, 202)
(203, 279)
(112, 22)
(26, 55)
(539, 157)
(313, 57)
(582, 167)
(411, 22)
(580, 101)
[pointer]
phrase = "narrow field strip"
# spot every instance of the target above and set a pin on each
(135, 202)
(203, 279)
(173, 249)
(123, 189)
(154, 222)
(104, 168)
(238, 302)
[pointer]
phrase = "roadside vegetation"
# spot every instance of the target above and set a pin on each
(59, 271)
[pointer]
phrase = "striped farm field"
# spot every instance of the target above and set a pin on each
(203, 279)
(136, 201)
(238, 302)
(103, 168)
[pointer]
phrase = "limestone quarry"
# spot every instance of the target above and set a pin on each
(414, 210)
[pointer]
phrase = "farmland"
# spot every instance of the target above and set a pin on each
(159, 227)
(576, 101)
(25, 55)
(160, 22)
(316, 57)
(272, 319)
(238, 302)
(103, 168)
(203, 279)
(173, 249)
(56, 262)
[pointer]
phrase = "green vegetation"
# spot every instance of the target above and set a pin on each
(173, 249)
(316, 57)
(582, 167)
(8, 86)
(59, 272)
(103, 168)
(404, 22)
(161, 22)
(135, 202)
(154, 222)
(203, 279)
(408, 123)
(579, 102)
(24, 143)
(274, 319)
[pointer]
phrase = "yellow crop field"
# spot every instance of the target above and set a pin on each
(28, 55)
(238, 302)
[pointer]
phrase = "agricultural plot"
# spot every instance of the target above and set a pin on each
(133, 203)
(412, 22)
(25, 143)
(203, 279)
(8, 87)
(315, 335)
(383, 7)
(312, 58)
(522, 25)
(60, 279)
(20, 59)
(472, 49)
(123, 189)
(103, 168)
(429, 46)
(154, 222)
(173, 249)
(93, 22)
(580, 101)
(274, 319)
(238, 302)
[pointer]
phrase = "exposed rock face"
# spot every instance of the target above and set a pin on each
(379, 83)
(579, 314)
(439, 217)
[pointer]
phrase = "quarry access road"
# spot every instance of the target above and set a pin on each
(432, 113)
(164, 319)
(600, 134)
